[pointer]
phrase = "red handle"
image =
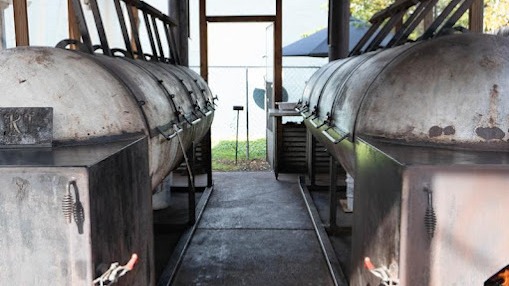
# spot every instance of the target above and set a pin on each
(132, 262)
(368, 264)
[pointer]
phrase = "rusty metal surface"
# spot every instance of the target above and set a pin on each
(337, 83)
(207, 93)
(446, 91)
(196, 92)
(313, 98)
(88, 102)
(347, 92)
(96, 98)
(157, 108)
(346, 110)
(149, 94)
(193, 90)
(422, 116)
(173, 85)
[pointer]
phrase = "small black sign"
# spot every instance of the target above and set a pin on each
(26, 126)
(501, 278)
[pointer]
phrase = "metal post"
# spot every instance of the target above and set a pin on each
(237, 139)
(247, 113)
(310, 157)
(237, 108)
(333, 197)
(339, 28)
(123, 28)
(100, 28)
(191, 188)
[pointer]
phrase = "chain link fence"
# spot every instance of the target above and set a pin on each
(245, 86)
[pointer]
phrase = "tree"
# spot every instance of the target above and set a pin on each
(496, 12)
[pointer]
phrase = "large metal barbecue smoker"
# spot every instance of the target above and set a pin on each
(423, 129)
(87, 135)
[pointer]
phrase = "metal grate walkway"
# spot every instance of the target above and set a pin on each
(254, 231)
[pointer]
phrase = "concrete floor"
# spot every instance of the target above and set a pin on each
(254, 231)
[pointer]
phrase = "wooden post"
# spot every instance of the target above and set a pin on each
(179, 10)
(136, 24)
(21, 22)
(429, 18)
(204, 71)
(204, 62)
(475, 16)
(74, 30)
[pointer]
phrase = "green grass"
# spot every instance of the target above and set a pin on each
(223, 156)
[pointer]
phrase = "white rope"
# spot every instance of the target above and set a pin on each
(381, 272)
(115, 272)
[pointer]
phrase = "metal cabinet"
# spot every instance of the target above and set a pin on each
(67, 213)
(431, 216)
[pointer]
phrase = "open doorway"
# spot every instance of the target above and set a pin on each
(237, 74)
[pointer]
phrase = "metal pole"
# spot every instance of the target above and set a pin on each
(237, 138)
(237, 108)
(339, 29)
(247, 113)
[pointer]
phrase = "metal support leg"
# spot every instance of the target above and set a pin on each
(311, 157)
(333, 193)
(191, 188)
(206, 149)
